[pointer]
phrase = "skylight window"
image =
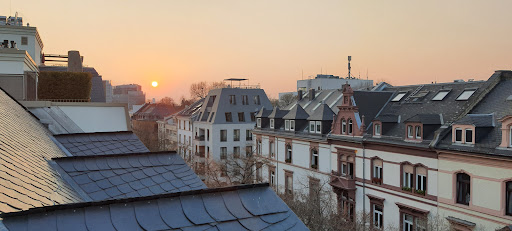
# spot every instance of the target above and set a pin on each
(466, 94)
(440, 95)
(398, 97)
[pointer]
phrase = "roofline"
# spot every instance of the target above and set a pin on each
(129, 200)
(92, 133)
(113, 155)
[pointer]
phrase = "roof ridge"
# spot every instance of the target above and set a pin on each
(132, 199)
(90, 133)
(115, 155)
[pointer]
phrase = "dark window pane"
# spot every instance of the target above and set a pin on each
(469, 136)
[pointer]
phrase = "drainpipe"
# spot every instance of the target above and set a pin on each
(364, 177)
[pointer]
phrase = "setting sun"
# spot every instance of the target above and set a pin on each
(154, 83)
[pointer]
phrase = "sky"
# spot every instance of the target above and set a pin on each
(274, 43)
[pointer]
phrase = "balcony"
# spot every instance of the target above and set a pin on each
(345, 182)
(199, 140)
(201, 152)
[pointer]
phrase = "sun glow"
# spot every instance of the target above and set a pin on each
(154, 84)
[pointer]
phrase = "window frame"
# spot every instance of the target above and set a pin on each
(225, 137)
(312, 157)
(350, 127)
(466, 136)
(380, 215)
(440, 95)
(287, 125)
(417, 133)
(248, 135)
(458, 187)
(232, 99)
(236, 134)
(223, 153)
(466, 95)
(258, 122)
(312, 126)
(399, 97)
(318, 127)
(229, 117)
(343, 127)
(410, 131)
(241, 117)
(508, 198)
(288, 158)
(292, 125)
(377, 129)
(272, 123)
(461, 135)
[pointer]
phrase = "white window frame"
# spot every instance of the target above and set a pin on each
(407, 181)
(440, 95)
(398, 97)
(417, 129)
(258, 149)
(410, 131)
(292, 125)
(287, 125)
(317, 158)
(289, 152)
(311, 126)
(376, 171)
(461, 135)
(318, 127)
(272, 146)
(258, 122)
(272, 123)
(408, 225)
(419, 181)
(379, 215)
(377, 129)
(466, 135)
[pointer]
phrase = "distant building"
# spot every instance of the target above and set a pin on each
(145, 125)
(18, 74)
(25, 37)
(107, 86)
(185, 123)
(168, 134)
(130, 94)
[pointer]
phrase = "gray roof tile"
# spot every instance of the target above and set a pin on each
(86, 144)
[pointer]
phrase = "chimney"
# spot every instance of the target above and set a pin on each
(299, 95)
(74, 61)
(311, 94)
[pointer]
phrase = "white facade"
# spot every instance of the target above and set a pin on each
(185, 137)
(34, 45)
(18, 74)
(320, 83)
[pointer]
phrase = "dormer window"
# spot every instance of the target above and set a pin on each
(292, 125)
(409, 132)
(289, 125)
(318, 126)
(466, 94)
(258, 122)
(272, 123)
(506, 132)
(418, 132)
(311, 126)
(463, 134)
(377, 128)
(399, 96)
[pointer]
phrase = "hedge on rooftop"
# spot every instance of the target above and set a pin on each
(64, 85)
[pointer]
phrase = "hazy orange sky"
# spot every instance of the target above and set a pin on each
(270, 42)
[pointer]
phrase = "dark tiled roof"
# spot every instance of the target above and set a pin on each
(296, 113)
(277, 113)
(87, 144)
(26, 178)
(370, 103)
(425, 119)
(388, 118)
(477, 120)
(155, 111)
(263, 113)
(323, 112)
(247, 207)
(192, 109)
(130, 175)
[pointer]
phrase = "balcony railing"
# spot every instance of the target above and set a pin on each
(346, 182)
(199, 138)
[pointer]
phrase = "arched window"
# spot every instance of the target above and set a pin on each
(350, 126)
(463, 188)
(377, 170)
(344, 127)
(314, 158)
(288, 156)
(508, 195)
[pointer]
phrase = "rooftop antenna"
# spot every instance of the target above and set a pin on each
(349, 59)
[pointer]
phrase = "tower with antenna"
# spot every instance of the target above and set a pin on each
(349, 75)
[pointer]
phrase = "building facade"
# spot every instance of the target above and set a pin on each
(130, 94)
(168, 133)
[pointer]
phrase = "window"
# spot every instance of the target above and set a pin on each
(343, 127)
(211, 117)
(258, 147)
(458, 135)
(288, 157)
(272, 178)
(292, 125)
(350, 126)
(211, 100)
(271, 148)
(421, 183)
(223, 153)
(407, 177)
(258, 123)
(440, 95)
(314, 159)
(466, 94)
(418, 132)
(248, 150)
(236, 152)
(241, 117)
(207, 134)
(408, 222)
(245, 100)
(398, 97)
(248, 135)
(223, 135)
(286, 125)
(377, 171)
(236, 134)
(229, 117)
(272, 123)
(508, 195)
(257, 99)
(409, 132)
(288, 184)
(232, 99)
(377, 216)
(469, 136)
(253, 116)
(318, 126)
(24, 40)
(312, 126)
(377, 129)
(463, 188)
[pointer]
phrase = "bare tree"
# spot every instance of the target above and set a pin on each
(287, 99)
(201, 89)
(167, 101)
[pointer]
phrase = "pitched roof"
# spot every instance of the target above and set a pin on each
(477, 120)
(388, 118)
(322, 113)
(192, 109)
(130, 175)
(246, 207)
(277, 113)
(263, 112)
(26, 178)
(86, 144)
(296, 113)
(155, 111)
(426, 119)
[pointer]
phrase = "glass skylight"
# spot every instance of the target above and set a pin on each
(466, 94)
(440, 95)
(398, 97)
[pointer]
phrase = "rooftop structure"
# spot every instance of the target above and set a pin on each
(130, 94)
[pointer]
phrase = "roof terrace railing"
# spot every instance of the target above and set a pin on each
(67, 100)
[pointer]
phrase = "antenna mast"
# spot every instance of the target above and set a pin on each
(349, 59)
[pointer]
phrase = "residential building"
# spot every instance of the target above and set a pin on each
(185, 124)
(145, 125)
(168, 133)
(24, 37)
(18, 73)
(130, 94)
(224, 123)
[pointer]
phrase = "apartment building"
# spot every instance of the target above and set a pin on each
(168, 133)
(185, 123)
(403, 155)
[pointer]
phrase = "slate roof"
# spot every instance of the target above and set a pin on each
(277, 113)
(99, 143)
(58, 122)
(296, 113)
(426, 119)
(192, 109)
(477, 120)
(487, 139)
(129, 175)
(263, 112)
(247, 207)
(154, 111)
(26, 178)
(322, 113)
(388, 118)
